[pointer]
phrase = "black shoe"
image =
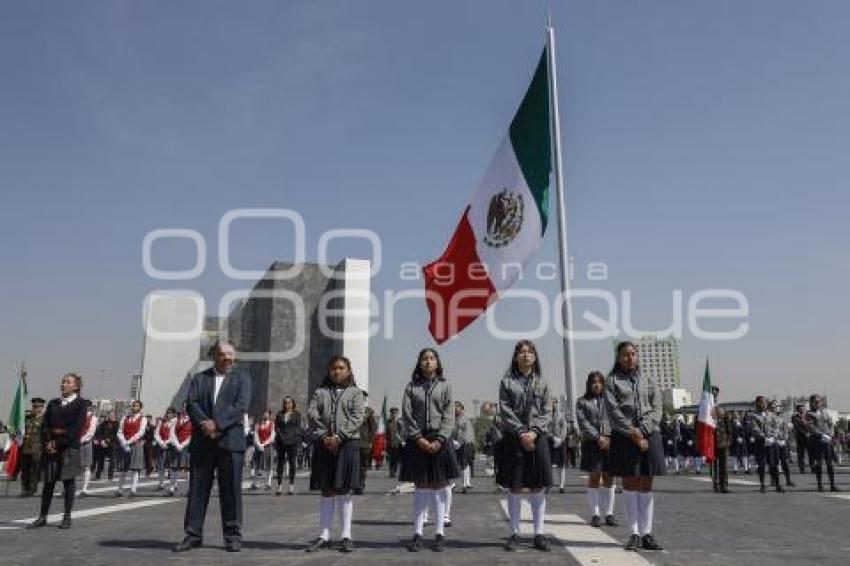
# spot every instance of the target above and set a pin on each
(562, 490)
(595, 521)
(317, 544)
(633, 543)
(834, 487)
(38, 523)
(647, 542)
(611, 521)
(447, 524)
(763, 489)
(358, 491)
(346, 545)
(415, 544)
(512, 543)
(233, 546)
(541, 543)
(715, 488)
(820, 488)
(439, 543)
(66, 521)
(463, 490)
(188, 544)
(724, 489)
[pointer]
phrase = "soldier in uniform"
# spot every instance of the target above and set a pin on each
(739, 445)
(781, 442)
(764, 431)
(820, 442)
(31, 449)
(722, 440)
(800, 434)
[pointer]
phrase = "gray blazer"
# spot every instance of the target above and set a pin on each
(228, 410)
(337, 411)
(427, 407)
(592, 418)
(760, 427)
(632, 401)
(524, 404)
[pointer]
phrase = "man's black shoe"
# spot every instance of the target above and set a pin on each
(233, 546)
(611, 520)
(188, 544)
(66, 521)
(38, 523)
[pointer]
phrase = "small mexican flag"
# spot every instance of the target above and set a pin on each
(503, 225)
(705, 419)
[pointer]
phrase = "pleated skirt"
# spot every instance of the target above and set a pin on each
(517, 468)
(339, 471)
(419, 467)
(626, 460)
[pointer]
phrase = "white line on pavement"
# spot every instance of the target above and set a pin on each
(588, 545)
(103, 510)
(731, 481)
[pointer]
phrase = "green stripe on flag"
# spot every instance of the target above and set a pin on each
(530, 139)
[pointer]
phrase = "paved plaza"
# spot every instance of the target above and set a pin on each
(695, 525)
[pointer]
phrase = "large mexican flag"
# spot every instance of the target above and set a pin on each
(504, 223)
(705, 419)
(17, 422)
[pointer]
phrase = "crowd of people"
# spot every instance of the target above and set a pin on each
(619, 435)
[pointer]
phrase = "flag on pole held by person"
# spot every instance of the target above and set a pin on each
(502, 226)
(379, 445)
(705, 419)
(17, 422)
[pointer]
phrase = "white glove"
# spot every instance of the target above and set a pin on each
(557, 443)
(690, 442)
(780, 442)
(752, 439)
(769, 441)
(826, 438)
(740, 440)
(455, 444)
(669, 443)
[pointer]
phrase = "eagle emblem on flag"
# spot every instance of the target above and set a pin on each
(504, 218)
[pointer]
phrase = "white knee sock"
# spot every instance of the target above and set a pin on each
(448, 494)
(514, 511)
(676, 464)
(467, 476)
(439, 502)
(593, 501)
(123, 482)
(346, 509)
(646, 504)
(420, 502)
(135, 481)
(538, 512)
(608, 498)
(630, 510)
(562, 471)
(173, 481)
(269, 479)
(86, 478)
(326, 517)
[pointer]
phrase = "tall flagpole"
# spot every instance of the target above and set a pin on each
(566, 310)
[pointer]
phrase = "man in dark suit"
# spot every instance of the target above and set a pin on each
(217, 402)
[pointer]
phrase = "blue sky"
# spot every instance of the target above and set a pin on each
(705, 146)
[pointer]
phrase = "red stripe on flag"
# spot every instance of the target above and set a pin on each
(705, 440)
(457, 286)
(12, 460)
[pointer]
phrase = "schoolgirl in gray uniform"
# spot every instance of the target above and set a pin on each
(595, 441)
(820, 442)
(336, 411)
(636, 453)
(428, 459)
(522, 458)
